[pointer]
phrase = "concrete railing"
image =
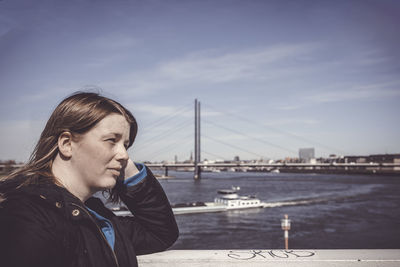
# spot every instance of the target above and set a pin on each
(265, 258)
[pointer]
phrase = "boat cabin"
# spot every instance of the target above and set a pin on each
(232, 200)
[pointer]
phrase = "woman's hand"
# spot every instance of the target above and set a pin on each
(130, 169)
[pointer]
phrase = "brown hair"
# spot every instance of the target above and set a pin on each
(76, 114)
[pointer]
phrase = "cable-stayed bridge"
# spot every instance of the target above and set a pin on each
(179, 125)
(183, 118)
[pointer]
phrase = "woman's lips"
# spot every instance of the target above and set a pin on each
(115, 171)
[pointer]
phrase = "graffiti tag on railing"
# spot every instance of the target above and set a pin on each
(270, 254)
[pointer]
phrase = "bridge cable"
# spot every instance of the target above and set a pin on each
(165, 133)
(214, 155)
(172, 145)
(168, 117)
(251, 137)
(230, 145)
(313, 142)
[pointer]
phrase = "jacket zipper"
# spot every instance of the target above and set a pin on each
(101, 232)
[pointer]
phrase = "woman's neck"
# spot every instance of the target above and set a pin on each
(66, 177)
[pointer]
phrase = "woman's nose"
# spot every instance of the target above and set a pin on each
(122, 154)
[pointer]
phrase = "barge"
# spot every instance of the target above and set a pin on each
(227, 199)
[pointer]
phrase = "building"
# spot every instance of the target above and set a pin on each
(306, 154)
(378, 158)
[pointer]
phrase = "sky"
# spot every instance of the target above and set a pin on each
(271, 76)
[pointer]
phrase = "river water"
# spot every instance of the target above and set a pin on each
(342, 211)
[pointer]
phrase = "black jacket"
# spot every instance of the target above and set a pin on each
(45, 225)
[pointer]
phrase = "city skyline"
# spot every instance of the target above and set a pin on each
(271, 76)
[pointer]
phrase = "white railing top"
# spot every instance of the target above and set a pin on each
(265, 258)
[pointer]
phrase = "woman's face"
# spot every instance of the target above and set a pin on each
(100, 154)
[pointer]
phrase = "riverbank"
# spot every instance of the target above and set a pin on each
(309, 170)
(344, 172)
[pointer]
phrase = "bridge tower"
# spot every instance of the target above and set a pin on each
(197, 158)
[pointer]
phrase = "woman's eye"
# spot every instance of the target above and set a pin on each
(111, 140)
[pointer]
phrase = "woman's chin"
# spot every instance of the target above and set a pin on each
(108, 184)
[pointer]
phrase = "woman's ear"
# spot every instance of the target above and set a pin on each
(65, 144)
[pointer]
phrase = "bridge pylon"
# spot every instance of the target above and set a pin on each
(197, 158)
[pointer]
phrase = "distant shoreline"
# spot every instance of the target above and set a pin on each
(345, 172)
(319, 171)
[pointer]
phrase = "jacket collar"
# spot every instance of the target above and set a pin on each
(58, 198)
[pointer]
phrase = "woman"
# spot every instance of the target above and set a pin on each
(48, 216)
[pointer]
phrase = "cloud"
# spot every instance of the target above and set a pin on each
(216, 67)
(159, 110)
(204, 67)
(274, 68)
(290, 107)
(362, 92)
(292, 121)
(345, 92)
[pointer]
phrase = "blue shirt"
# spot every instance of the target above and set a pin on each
(105, 224)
